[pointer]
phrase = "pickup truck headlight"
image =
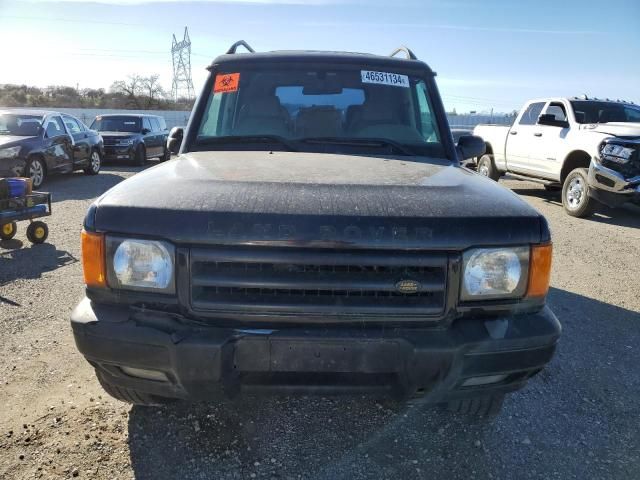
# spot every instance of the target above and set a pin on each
(140, 264)
(494, 273)
(616, 153)
(10, 152)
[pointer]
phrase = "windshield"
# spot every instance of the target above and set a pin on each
(603, 112)
(116, 124)
(308, 108)
(20, 124)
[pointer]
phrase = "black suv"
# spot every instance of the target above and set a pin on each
(36, 143)
(316, 234)
(133, 137)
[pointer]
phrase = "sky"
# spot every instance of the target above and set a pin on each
(492, 54)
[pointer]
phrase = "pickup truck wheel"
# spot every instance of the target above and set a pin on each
(487, 168)
(485, 406)
(130, 395)
(575, 194)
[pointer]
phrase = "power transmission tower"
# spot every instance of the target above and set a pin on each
(182, 85)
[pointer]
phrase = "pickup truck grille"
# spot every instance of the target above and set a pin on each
(317, 282)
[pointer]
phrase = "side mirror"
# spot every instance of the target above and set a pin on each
(551, 121)
(144, 131)
(175, 139)
(470, 146)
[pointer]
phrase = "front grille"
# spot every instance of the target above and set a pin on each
(317, 282)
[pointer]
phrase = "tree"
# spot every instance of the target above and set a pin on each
(130, 88)
(136, 92)
(152, 90)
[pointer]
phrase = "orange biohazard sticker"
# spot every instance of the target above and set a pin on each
(226, 82)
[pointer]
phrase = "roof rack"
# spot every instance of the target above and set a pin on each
(410, 55)
(239, 43)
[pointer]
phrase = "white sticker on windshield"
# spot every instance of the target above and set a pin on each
(385, 78)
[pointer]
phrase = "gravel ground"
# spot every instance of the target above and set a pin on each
(578, 419)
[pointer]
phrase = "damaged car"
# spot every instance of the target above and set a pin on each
(37, 143)
(316, 234)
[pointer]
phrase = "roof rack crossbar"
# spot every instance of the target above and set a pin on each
(239, 43)
(410, 55)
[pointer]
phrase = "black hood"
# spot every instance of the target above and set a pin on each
(13, 140)
(311, 199)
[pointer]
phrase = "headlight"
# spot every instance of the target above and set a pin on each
(616, 153)
(140, 264)
(10, 152)
(492, 273)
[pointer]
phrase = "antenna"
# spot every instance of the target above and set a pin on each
(182, 84)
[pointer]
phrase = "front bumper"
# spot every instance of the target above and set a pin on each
(611, 187)
(114, 152)
(204, 362)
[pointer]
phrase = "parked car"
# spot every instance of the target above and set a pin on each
(316, 234)
(133, 137)
(589, 148)
(38, 143)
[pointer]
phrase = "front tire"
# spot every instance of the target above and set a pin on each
(166, 155)
(95, 162)
(129, 395)
(141, 155)
(37, 172)
(575, 194)
(487, 168)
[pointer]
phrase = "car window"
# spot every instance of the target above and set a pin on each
(557, 110)
(163, 124)
(55, 127)
(632, 114)
(146, 124)
(531, 114)
(307, 105)
(116, 124)
(155, 125)
(20, 124)
(588, 111)
(72, 125)
(425, 120)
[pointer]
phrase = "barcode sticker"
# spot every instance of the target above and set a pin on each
(385, 78)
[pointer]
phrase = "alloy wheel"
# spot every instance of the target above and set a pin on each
(95, 161)
(36, 173)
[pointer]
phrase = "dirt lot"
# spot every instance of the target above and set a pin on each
(579, 419)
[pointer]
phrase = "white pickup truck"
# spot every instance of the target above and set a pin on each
(588, 147)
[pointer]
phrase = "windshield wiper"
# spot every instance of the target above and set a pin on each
(356, 141)
(248, 139)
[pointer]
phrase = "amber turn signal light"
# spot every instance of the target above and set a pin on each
(540, 270)
(93, 261)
